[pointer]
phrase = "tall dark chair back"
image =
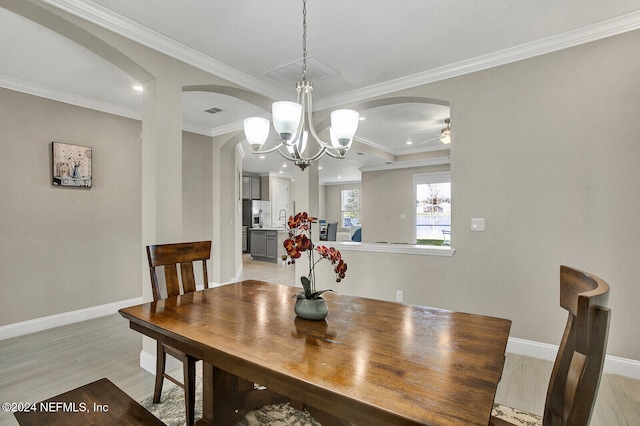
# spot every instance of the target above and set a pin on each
(178, 256)
(576, 373)
(174, 257)
(575, 377)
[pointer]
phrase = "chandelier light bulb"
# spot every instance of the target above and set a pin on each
(337, 144)
(344, 123)
(256, 130)
(286, 118)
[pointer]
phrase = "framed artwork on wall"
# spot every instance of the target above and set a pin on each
(71, 165)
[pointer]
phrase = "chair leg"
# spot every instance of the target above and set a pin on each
(161, 360)
(189, 373)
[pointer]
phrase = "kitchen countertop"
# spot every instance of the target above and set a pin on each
(268, 229)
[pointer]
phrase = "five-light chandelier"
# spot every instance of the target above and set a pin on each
(293, 121)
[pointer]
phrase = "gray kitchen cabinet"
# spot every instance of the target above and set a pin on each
(272, 245)
(255, 189)
(264, 245)
(245, 240)
(251, 188)
(246, 188)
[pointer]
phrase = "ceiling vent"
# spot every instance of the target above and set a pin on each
(291, 73)
(212, 110)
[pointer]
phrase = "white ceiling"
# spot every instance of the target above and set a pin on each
(374, 47)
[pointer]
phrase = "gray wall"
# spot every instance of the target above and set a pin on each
(66, 249)
(197, 187)
(387, 197)
(333, 200)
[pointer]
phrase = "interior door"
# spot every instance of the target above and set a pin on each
(279, 203)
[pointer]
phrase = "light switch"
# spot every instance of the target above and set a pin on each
(477, 223)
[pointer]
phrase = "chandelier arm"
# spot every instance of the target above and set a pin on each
(297, 136)
(331, 154)
(296, 153)
(267, 151)
(319, 154)
(287, 157)
(312, 127)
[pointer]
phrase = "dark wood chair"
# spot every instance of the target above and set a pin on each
(97, 403)
(174, 257)
(578, 367)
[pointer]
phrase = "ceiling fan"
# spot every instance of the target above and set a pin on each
(445, 134)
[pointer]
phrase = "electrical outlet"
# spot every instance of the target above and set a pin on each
(399, 295)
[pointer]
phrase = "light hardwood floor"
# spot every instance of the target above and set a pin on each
(40, 365)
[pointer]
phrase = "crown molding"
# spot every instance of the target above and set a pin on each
(339, 182)
(407, 164)
(106, 18)
(132, 30)
(594, 32)
(68, 98)
(227, 128)
(204, 131)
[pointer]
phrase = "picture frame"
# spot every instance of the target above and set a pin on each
(71, 165)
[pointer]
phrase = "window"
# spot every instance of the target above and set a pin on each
(350, 208)
(433, 208)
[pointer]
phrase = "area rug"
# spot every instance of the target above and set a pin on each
(516, 417)
(170, 410)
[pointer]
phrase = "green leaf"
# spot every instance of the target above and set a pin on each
(306, 284)
(317, 294)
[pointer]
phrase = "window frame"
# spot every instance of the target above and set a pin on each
(422, 179)
(343, 210)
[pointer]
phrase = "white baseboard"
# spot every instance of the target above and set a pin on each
(612, 364)
(65, 318)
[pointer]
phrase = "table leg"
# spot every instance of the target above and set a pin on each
(226, 397)
(207, 394)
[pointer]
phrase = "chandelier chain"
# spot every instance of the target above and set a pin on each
(304, 40)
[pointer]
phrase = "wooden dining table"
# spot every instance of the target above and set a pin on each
(370, 362)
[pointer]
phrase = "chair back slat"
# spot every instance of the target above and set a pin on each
(576, 373)
(188, 279)
(171, 280)
(170, 258)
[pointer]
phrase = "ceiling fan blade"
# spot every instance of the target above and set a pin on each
(429, 140)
